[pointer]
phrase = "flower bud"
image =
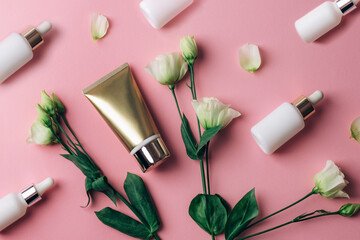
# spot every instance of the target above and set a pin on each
(189, 49)
(167, 69)
(59, 107)
(212, 113)
(348, 210)
(43, 116)
(47, 103)
(330, 182)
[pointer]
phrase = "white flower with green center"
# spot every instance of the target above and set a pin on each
(330, 182)
(249, 57)
(167, 69)
(212, 113)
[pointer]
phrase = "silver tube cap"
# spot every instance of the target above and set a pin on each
(345, 6)
(31, 195)
(151, 154)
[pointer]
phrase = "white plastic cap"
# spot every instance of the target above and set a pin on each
(44, 185)
(318, 21)
(44, 27)
(160, 12)
(316, 97)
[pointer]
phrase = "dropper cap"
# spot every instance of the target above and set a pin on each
(44, 27)
(306, 104)
(33, 193)
(35, 35)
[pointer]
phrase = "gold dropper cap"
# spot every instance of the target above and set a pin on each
(35, 35)
(306, 104)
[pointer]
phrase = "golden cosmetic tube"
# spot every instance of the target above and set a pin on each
(118, 99)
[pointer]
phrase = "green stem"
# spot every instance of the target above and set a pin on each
(61, 141)
(63, 131)
(212, 236)
(290, 222)
(207, 166)
(193, 93)
(308, 195)
(271, 229)
(72, 132)
(192, 81)
(320, 215)
(156, 236)
(203, 175)
(176, 101)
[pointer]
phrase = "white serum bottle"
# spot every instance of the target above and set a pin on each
(284, 122)
(14, 205)
(323, 18)
(17, 49)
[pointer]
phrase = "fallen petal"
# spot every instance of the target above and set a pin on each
(249, 57)
(99, 26)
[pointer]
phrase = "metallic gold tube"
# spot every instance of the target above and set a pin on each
(118, 99)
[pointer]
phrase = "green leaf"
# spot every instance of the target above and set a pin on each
(207, 136)
(226, 205)
(243, 213)
(140, 198)
(188, 139)
(123, 223)
(209, 212)
(100, 185)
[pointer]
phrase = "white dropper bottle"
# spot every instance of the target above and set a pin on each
(17, 49)
(323, 18)
(14, 205)
(160, 12)
(284, 122)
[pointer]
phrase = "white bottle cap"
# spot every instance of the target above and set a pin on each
(44, 185)
(44, 27)
(160, 12)
(316, 97)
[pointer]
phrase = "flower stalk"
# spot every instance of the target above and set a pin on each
(50, 116)
(301, 218)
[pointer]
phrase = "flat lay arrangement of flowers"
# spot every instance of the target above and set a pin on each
(206, 78)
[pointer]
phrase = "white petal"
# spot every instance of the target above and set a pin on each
(249, 57)
(355, 129)
(99, 26)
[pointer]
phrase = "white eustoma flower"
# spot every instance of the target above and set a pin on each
(167, 69)
(355, 129)
(99, 26)
(39, 134)
(189, 49)
(330, 182)
(249, 57)
(211, 112)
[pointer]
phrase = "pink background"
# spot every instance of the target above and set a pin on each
(70, 60)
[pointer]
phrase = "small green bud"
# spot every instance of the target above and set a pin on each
(189, 49)
(59, 107)
(47, 103)
(43, 116)
(348, 210)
